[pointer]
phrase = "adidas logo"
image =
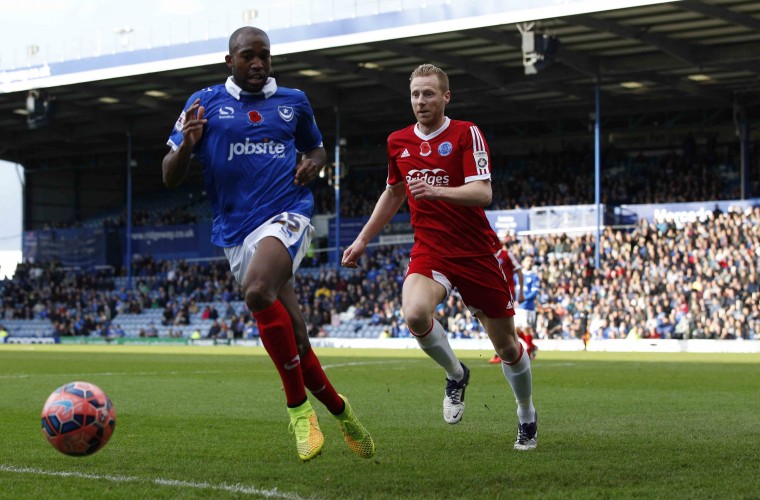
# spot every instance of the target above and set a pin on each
(405, 154)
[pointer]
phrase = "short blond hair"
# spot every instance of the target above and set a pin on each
(431, 70)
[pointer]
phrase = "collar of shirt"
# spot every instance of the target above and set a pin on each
(434, 134)
(268, 90)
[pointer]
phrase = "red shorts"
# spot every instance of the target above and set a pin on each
(480, 281)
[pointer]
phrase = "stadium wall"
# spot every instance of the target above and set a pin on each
(608, 345)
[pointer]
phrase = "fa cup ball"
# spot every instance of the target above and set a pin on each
(78, 419)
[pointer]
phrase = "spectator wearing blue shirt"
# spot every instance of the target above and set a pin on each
(532, 287)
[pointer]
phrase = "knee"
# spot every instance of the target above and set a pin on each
(258, 297)
(417, 319)
(506, 344)
(509, 351)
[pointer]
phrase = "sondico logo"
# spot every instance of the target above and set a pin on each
(434, 177)
(276, 149)
(226, 112)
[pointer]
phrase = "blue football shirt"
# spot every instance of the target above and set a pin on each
(249, 151)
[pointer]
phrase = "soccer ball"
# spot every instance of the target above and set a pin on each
(78, 419)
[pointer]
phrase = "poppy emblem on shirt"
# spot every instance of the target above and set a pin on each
(445, 148)
(255, 117)
(425, 149)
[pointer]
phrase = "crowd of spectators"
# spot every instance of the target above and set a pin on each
(657, 281)
(80, 303)
(74, 302)
(698, 280)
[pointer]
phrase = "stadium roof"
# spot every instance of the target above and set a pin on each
(690, 62)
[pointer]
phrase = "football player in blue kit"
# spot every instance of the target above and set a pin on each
(247, 134)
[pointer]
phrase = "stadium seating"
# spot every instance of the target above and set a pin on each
(355, 329)
(28, 328)
(654, 280)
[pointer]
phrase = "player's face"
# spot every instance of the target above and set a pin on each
(251, 61)
(428, 102)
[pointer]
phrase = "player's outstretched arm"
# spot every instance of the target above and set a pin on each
(387, 206)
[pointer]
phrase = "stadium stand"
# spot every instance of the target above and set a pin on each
(693, 280)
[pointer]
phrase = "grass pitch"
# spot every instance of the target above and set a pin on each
(197, 422)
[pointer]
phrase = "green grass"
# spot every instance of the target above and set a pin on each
(211, 423)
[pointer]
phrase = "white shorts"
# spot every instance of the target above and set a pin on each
(525, 318)
(293, 230)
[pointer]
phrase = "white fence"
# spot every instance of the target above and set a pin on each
(617, 345)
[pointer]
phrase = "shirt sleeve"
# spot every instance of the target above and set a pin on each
(394, 174)
(175, 138)
(475, 155)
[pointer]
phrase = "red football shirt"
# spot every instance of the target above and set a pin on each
(452, 156)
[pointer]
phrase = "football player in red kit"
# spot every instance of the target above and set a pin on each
(442, 167)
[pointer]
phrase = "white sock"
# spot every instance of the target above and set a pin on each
(521, 380)
(436, 345)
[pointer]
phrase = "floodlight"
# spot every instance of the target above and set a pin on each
(538, 49)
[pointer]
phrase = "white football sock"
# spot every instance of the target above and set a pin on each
(436, 345)
(521, 380)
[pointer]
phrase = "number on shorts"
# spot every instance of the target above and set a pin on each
(290, 219)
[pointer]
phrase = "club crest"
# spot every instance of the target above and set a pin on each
(286, 112)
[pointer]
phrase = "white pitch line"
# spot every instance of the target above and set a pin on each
(551, 365)
(362, 363)
(199, 372)
(233, 488)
